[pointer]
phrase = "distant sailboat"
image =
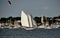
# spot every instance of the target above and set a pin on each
(27, 21)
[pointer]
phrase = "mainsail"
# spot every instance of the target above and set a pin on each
(24, 20)
(27, 20)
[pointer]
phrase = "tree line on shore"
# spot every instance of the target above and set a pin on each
(11, 19)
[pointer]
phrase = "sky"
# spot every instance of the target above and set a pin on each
(48, 8)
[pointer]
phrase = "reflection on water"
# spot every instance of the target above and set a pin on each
(36, 33)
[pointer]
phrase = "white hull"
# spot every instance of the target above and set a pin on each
(28, 28)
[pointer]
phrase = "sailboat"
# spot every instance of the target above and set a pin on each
(27, 21)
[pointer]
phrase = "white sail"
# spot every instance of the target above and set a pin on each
(42, 19)
(24, 19)
(27, 20)
(30, 21)
(34, 23)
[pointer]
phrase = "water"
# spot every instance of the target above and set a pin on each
(36, 33)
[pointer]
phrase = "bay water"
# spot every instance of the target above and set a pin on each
(36, 33)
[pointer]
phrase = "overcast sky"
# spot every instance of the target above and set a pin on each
(35, 7)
